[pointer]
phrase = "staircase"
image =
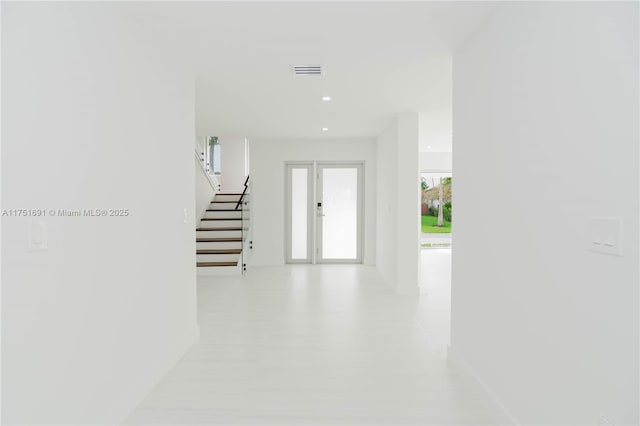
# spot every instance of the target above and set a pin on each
(219, 238)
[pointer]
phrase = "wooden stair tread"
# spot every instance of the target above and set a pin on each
(201, 264)
(225, 202)
(218, 229)
(223, 210)
(219, 251)
(218, 240)
(221, 218)
(228, 193)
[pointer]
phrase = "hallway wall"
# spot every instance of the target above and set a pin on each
(398, 204)
(546, 113)
(93, 117)
(232, 154)
(268, 183)
(386, 244)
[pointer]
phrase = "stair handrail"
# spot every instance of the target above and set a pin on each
(244, 191)
(245, 227)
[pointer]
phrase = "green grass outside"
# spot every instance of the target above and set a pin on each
(429, 226)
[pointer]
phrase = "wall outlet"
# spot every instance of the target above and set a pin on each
(185, 217)
(605, 235)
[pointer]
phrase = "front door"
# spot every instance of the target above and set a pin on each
(324, 212)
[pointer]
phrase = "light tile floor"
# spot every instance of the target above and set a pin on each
(435, 287)
(315, 345)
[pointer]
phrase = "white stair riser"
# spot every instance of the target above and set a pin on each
(233, 198)
(218, 234)
(218, 245)
(219, 270)
(220, 223)
(223, 206)
(217, 257)
(223, 215)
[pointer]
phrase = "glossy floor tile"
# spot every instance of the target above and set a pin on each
(315, 345)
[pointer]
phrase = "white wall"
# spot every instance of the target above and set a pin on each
(386, 203)
(93, 118)
(205, 189)
(268, 158)
(436, 161)
(435, 119)
(398, 204)
(232, 154)
(546, 109)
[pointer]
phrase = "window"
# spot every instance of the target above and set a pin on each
(213, 155)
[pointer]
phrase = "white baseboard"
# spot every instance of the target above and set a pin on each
(457, 361)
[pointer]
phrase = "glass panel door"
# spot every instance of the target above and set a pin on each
(338, 212)
(299, 218)
(323, 213)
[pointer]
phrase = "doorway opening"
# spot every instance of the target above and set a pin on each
(435, 255)
(324, 212)
(436, 210)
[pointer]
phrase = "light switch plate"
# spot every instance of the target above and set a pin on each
(604, 235)
(37, 235)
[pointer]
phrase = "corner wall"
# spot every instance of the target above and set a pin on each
(93, 117)
(398, 204)
(545, 136)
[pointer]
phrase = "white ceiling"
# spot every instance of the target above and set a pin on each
(380, 58)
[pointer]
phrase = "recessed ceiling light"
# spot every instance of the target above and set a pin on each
(326, 98)
(325, 129)
(428, 146)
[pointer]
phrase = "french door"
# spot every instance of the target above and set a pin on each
(324, 212)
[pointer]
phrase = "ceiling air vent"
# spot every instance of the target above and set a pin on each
(307, 70)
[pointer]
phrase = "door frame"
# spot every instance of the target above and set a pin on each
(310, 166)
(359, 166)
(314, 238)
